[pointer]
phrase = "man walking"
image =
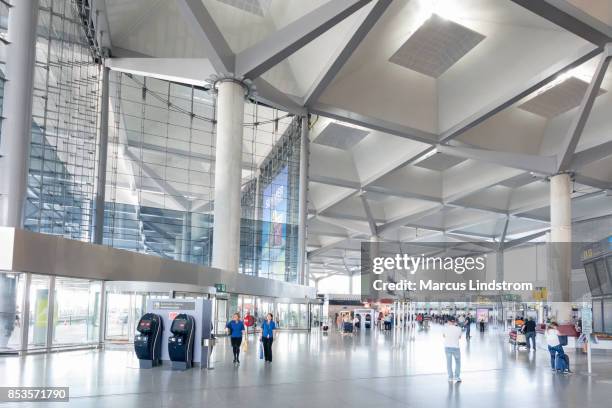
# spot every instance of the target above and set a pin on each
(451, 335)
(468, 326)
(529, 328)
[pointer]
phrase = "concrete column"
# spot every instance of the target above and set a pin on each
(98, 236)
(303, 199)
(560, 269)
(350, 277)
(186, 237)
(102, 315)
(17, 110)
(228, 171)
(499, 277)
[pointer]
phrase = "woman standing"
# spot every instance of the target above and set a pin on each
(267, 336)
(235, 327)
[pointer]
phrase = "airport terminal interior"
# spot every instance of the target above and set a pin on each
(289, 203)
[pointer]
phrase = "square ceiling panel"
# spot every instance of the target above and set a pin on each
(257, 7)
(439, 162)
(340, 136)
(558, 99)
(436, 46)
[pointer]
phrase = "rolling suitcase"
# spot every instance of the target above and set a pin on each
(562, 363)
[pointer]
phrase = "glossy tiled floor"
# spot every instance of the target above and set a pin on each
(315, 370)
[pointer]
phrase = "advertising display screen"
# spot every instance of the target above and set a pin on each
(274, 227)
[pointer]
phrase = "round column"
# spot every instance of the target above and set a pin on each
(17, 110)
(303, 201)
(228, 175)
(560, 256)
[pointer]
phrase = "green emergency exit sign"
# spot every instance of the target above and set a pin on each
(220, 287)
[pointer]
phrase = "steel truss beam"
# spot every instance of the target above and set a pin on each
(344, 53)
(571, 18)
(264, 55)
(205, 29)
(368, 212)
(568, 147)
(380, 125)
(537, 164)
(590, 155)
(537, 82)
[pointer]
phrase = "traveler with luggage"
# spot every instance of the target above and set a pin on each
(388, 322)
(452, 334)
(267, 336)
(529, 328)
(559, 361)
(235, 328)
(461, 321)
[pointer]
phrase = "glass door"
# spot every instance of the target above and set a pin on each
(221, 316)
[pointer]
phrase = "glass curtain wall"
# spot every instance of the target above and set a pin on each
(61, 175)
(159, 173)
(160, 177)
(4, 10)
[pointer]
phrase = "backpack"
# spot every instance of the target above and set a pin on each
(562, 362)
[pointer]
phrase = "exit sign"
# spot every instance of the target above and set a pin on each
(220, 287)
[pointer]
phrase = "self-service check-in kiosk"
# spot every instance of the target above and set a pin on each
(197, 316)
(148, 340)
(181, 343)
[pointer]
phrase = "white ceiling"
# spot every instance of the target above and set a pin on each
(412, 192)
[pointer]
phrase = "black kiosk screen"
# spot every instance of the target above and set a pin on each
(179, 326)
(144, 326)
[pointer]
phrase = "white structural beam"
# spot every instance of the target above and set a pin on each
(193, 71)
(282, 43)
(571, 18)
(537, 82)
(538, 164)
(349, 224)
(568, 146)
(205, 29)
(526, 238)
(271, 96)
(590, 155)
(591, 182)
(325, 248)
(368, 212)
(380, 125)
(502, 237)
(409, 219)
(344, 53)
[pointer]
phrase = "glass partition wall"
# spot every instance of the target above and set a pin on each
(50, 312)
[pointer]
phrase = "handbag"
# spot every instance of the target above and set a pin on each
(261, 350)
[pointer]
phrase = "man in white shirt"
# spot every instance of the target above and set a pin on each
(451, 335)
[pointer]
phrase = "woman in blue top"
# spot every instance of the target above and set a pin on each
(235, 327)
(267, 336)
